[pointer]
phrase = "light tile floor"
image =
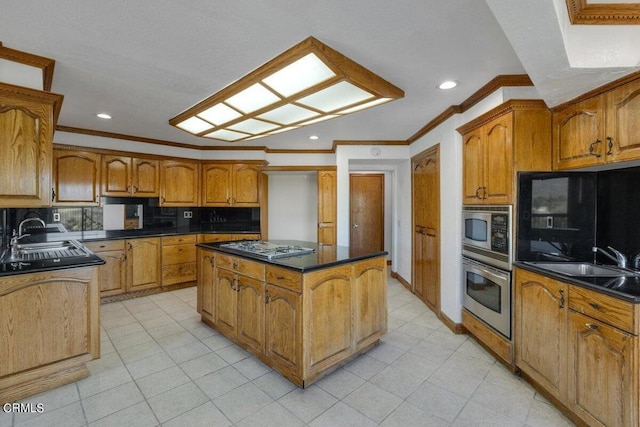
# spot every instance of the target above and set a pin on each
(161, 366)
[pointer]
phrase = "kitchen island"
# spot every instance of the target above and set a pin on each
(302, 312)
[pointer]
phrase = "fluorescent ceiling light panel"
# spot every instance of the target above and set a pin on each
(254, 126)
(366, 105)
(252, 98)
(274, 97)
(302, 74)
(219, 114)
(226, 135)
(194, 125)
(288, 114)
(337, 96)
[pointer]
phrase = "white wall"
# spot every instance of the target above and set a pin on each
(293, 206)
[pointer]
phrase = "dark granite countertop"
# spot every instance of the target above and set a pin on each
(87, 236)
(624, 288)
(324, 256)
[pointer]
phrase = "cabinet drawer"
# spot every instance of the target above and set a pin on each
(613, 311)
(178, 273)
(240, 265)
(218, 237)
(177, 240)
(177, 254)
(284, 278)
(105, 245)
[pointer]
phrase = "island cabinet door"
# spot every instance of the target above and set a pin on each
(370, 294)
(206, 279)
(251, 304)
(603, 375)
(283, 320)
(327, 317)
(226, 302)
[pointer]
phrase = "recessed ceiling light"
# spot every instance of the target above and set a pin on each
(313, 137)
(449, 84)
(103, 116)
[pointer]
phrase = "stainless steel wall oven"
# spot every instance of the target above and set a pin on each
(487, 249)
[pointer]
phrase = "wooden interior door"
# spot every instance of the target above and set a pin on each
(366, 218)
(426, 221)
(327, 207)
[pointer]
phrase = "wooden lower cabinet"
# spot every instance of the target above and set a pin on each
(178, 259)
(226, 237)
(143, 263)
(579, 346)
(603, 372)
(206, 280)
(541, 330)
(302, 325)
(112, 276)
(50, 330)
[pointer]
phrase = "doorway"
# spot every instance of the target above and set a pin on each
(366, 213)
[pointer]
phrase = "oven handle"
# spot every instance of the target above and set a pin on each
(503, 274)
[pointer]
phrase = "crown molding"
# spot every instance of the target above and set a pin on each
(479, 95)
(594, 13)
(508, 106)
(46, 64)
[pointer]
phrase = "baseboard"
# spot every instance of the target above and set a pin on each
(145, 292)
(402, 281)
(456, 328)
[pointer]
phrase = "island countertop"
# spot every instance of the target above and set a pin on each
(323, 256)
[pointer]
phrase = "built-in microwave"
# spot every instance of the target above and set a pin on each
(487, 234)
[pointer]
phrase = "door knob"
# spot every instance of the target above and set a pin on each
(355, 225)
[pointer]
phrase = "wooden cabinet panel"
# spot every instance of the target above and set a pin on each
(178, 259)
(327, 207)
(76, 178)
(603, 373)
(541, 330)
(112, 276)
(513, 137)
(327, 320)
(472, 167)
(50, 328)
(222, 237)
(216, 184)
(370, 293)
(226, 301)
(179, 183)
(230, 185)
(129, 176)
(578, 139)
(146, 178)
(613, 311)
(284, 278)
(26, 133)
(623, 122)
(180, 239)
(283, 319)
(426, 219)
(206, 285)
(143, 263)
(251, 304)
(246, 185)
(178, 273)
(498, 158)
(176, 254)
(116, 176)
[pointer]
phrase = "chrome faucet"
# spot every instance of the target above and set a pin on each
(618, 257)
(28, 220)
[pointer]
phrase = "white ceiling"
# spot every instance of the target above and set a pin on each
(145, 61)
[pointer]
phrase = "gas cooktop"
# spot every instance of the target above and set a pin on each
(267, 250)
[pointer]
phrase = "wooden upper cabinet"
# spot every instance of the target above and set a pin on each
(76, 178)
(327, 206)
(127, 176)
(27, 122)
(598, 130)
(216, 184)
(513, 137)
(145, 177)
(226, 184)
(578, 135)
(179, 183)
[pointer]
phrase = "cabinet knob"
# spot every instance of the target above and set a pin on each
(595, 305)
(591, 326)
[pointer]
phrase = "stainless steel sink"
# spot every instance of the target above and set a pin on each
(47, 250)
(585, 269)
